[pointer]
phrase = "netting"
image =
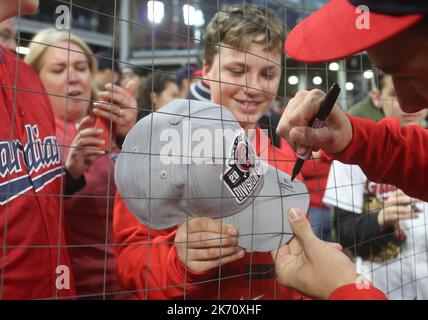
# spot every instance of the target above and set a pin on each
(68, 230)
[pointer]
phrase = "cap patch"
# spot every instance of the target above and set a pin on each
(243, 173)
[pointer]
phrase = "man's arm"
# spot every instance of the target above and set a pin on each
(389, 153)
(385, 151)
(361, 232)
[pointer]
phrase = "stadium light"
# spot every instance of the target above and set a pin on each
(368, 74)
(293, 80)
(193, 16)
(349, 86)
(334, 66)
(317, 80)
(155, 11)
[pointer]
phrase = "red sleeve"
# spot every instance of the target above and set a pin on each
(352, 292)
(143, 253)
(389, 153)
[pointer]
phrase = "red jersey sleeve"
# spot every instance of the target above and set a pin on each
(142, 255)
(389, 153)
(352, 292)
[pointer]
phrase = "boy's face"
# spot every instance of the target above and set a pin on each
(244, 82)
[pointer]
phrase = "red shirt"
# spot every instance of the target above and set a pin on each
(89, 224)
(315, 173)
(31, 189)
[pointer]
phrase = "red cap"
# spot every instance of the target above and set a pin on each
(331, 33)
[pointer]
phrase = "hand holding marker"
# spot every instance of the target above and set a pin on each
(317, 122)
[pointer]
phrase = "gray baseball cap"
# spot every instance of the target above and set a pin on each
(192, 159)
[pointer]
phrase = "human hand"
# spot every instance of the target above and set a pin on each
(309, 265)
(84, 152)
(333, 137)
(121, 107)
(398, 206)
(203, 244)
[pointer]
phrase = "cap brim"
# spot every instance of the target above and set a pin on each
(333, 33)
(263, 226)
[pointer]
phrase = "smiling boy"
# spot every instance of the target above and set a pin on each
(242, 64)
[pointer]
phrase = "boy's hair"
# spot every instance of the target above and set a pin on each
(240, 25)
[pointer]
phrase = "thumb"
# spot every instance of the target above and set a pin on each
(301, 227)
(311, 137)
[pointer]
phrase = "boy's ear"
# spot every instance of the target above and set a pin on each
(205, 69)
(375, 96)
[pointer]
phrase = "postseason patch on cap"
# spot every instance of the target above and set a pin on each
(243, 173)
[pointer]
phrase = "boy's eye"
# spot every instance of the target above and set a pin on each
(269, 75)
(237, 72)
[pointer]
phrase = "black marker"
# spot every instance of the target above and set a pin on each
(317, 122)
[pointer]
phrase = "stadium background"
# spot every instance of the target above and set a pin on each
(165, 35)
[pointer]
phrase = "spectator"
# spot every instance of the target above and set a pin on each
(8, 34)
(378, 223)
(131, 73)
(32, 177)
(162, 264)
(157, 90)
(184, 79)
(368, 108)
(67, 68)
(108, 70)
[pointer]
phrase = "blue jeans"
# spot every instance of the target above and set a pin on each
(321, 222)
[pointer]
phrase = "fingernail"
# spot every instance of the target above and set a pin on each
(302, 151)
(121, 112)
(232, 231)
(241, 253)
(295, 214)
(100, 130)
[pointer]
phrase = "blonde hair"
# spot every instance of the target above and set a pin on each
(240, 25)
(49, 38)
